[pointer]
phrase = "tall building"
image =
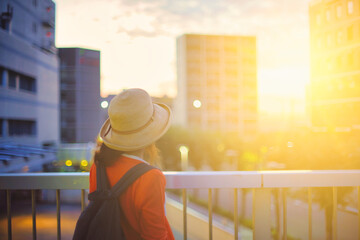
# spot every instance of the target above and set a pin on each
(217, 83)
(29, 81)
(80, 94)
(334, 98)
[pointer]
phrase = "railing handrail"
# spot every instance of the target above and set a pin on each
(196, 179)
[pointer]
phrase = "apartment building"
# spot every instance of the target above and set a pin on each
(80, 94)
(334, 99)
(217, 83)
(29, 82)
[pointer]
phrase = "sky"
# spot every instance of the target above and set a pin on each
(137, 40)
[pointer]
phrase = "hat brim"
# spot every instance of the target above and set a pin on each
(138, 140)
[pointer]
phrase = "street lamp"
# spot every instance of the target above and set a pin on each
(197, 103)
(184, 150)
(104, 104)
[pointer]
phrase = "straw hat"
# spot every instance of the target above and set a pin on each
(134, 121)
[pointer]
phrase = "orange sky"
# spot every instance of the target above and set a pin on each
(137, 40)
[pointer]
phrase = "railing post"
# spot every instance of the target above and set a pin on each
(358, 199)
(33, 207)
(58, 214)
(310, 212)
(210, 208)
(8, 203)
(284, 205)
(261, 214)
(334, 219)
(82, 199)
(184, 196)
(236, 213)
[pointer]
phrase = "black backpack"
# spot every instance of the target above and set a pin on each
(101, 219)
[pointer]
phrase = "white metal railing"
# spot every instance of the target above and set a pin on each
(260, 181)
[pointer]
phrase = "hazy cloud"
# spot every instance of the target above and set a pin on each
(281, 28)
(137, 32)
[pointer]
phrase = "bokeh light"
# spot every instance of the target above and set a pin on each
(84, 163)
(197, 103)
(104, 104)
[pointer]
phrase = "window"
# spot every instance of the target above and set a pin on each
(231, 72)
(27, 83)
(329, 63)
(193, 71)
(352, 84)
(68, 135)
(12, 79)
(330, 88)
(318, 19)
(350, 7)
(22, 128)
(339, 62)
(340, 86)
(350, 59)
(68, 98)
(338, 11)
(328, 15)
(329, 40)
(350, 33)
(18, 81)
(319, 42)
(212, 60)
(231, 49)
(339, 36)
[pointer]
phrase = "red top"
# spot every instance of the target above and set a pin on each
(143, 203)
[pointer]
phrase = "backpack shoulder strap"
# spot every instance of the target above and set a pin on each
(130, 177)
(102, 182)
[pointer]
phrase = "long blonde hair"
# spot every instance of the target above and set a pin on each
(108, 156)
(152, 155)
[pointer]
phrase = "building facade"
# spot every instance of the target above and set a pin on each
(80, 95)
(334, 96)
(29, 79)
(217, 83)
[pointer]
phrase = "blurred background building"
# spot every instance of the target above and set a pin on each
(334, 98)
(80, 94)
(29, 83)
(217, 83)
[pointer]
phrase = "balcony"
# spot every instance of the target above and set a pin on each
(48, 17)
(260, 182)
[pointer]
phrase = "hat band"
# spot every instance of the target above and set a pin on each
(135, 130)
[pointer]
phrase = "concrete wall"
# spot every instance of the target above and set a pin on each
(42, 105)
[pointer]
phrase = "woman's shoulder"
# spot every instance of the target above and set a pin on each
(151, 179)
(154, 173)
(130, 162)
